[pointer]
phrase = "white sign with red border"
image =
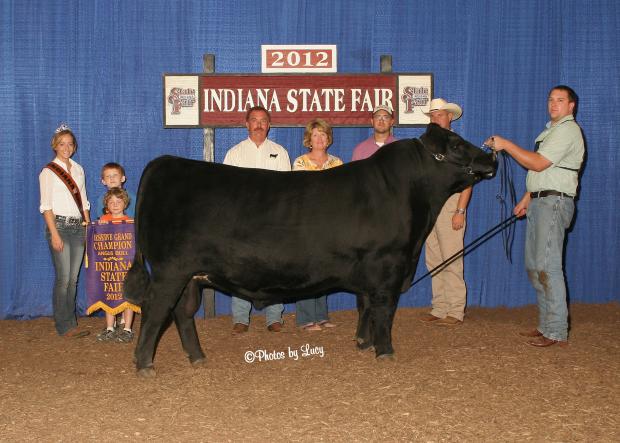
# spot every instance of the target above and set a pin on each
(181, 101)
(414, 98)
(298, 58)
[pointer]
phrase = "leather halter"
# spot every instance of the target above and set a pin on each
(444, 158)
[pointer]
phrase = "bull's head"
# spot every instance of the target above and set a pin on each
(447, 146)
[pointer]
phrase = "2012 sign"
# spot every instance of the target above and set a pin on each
(298, 58)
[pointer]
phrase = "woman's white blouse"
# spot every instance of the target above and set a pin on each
(54, 193)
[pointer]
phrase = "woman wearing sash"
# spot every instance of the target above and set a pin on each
(65, 209)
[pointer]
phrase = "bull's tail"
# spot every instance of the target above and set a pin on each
(136, 280)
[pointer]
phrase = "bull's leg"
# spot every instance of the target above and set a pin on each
(187, 326)
(382, 312)
(154, 317)
(156, 314)
(362, 335)
(193, 295)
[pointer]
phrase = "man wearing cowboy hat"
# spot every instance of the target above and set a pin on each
(382, 120)
(552, 180)
(446, 239)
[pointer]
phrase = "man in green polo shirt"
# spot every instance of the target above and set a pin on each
(552, 180)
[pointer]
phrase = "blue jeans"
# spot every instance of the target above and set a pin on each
(311, 310)
(67, 265)
(547, 221)
(241, 312)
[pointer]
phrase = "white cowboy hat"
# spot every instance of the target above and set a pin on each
(439, 104)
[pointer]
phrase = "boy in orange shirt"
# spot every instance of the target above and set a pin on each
(115, 201)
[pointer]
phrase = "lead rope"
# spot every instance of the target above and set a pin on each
(506, 192)
(506, 227)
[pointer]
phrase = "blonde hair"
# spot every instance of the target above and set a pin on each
(118, 193)
(322, 126)
(57, 135)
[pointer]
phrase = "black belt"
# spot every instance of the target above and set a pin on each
(76, 221)
(549, 193)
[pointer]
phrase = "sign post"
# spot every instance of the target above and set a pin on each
(386, 64)
(208, 154)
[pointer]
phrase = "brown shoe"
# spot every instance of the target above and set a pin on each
(239, 328)
(429, 318)
(530, 333)
(448, 321)
(76, 333)
(275, 327)
(543, 342)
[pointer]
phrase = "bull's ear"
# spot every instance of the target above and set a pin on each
(437, 132)
(432, 127)
(435, 138)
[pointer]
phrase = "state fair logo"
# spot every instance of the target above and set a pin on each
(414, 96)
(181, 98)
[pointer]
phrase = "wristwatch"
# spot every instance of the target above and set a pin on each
(460, 211)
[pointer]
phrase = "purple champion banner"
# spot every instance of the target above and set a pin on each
(110, 249)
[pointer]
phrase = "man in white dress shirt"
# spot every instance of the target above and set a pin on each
(257, 151)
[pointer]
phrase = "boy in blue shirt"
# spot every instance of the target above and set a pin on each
(113, 176)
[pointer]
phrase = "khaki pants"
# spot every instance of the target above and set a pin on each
(449, 291)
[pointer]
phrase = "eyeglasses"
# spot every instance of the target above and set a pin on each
(383, 118)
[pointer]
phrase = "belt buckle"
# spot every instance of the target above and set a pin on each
(69, 221)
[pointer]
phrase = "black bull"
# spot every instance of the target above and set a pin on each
(281, 236)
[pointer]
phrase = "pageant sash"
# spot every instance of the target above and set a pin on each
(66, 178)
(110, 250)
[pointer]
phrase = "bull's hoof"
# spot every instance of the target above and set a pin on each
(199, 362)
(362, 341)
(146, 373)
(365, 346)
(386, 357)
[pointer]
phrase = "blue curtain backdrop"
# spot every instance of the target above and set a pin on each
(98, 66)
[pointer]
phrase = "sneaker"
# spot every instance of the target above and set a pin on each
(106, 335)
(124, 336)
